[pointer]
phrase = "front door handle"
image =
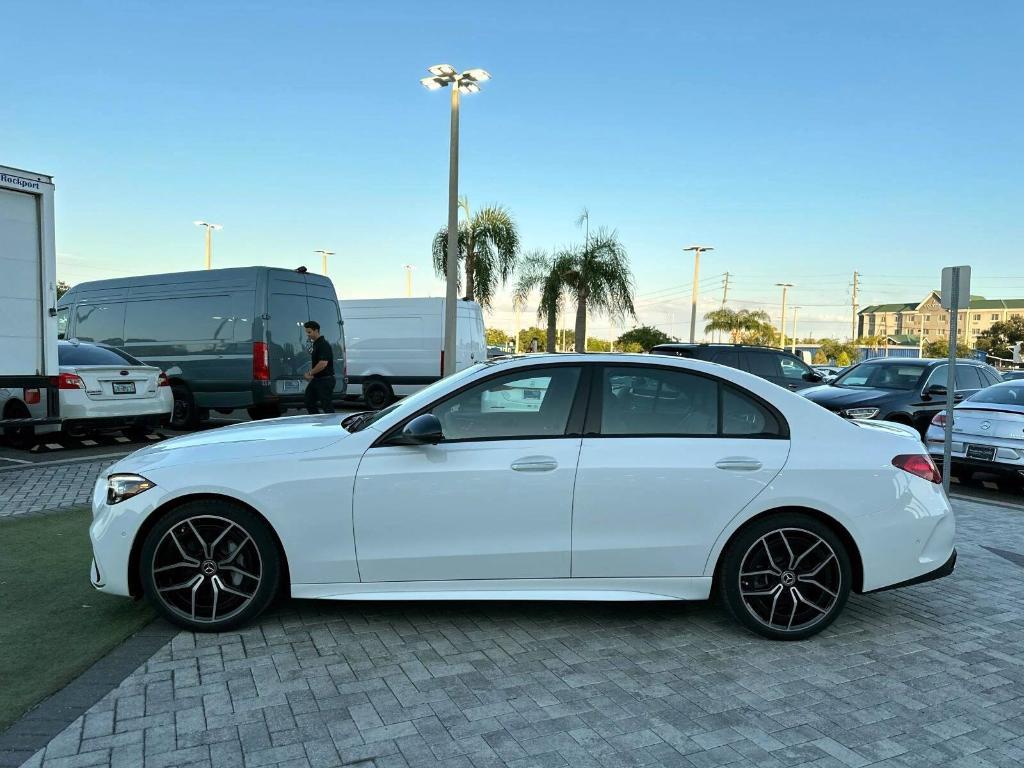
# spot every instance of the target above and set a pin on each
(535, 464)
(739, 464)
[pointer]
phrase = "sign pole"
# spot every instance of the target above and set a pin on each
(947, 446)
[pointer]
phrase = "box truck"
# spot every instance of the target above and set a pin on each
(28, 294)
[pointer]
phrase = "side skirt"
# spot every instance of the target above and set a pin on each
(602, 590)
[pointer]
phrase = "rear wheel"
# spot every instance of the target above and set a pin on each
(210, 566)
(786, 576)
(185, 414)
(18, 435)
(377, 394)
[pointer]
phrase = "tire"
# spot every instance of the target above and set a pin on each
(767, 602)
(264, 411)
(185, 414)
(238, 583)
(18, 436)
(378, 394)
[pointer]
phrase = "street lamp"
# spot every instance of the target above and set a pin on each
(793, 340)
(697, 250)
(408, 279)
(782, 326)
(324, 254)
(209, 239)
(442, 76)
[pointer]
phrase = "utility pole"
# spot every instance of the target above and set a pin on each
(515, 347)
(408, 279)
(782, 325)
(697, 250)
(853, 325)
(793, 339)
(324, 254)
(725, 295)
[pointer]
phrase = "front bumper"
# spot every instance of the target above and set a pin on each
(943, 570)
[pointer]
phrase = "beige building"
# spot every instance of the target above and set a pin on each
(929, 320)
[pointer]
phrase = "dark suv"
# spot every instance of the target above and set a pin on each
(775, 365)
(906, 390)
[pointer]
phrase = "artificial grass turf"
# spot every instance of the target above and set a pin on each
(53, 624)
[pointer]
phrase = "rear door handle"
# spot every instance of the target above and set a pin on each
(739, 465)
(535, 464)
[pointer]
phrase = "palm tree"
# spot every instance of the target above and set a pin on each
(598, 278)
(488, 248)
(537, 270)
(736, 322)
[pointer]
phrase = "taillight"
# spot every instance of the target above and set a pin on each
(442, 363)
(70, 381)
(164, 381)
(939, 419)
(260, 361)
(31, 396)
(918, 464)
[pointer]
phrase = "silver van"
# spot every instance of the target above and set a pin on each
(226, 338)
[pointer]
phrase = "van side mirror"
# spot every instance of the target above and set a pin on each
(425, 429)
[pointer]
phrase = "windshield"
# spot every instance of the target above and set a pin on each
(413, 402)
(881, 376)
(1009, 393)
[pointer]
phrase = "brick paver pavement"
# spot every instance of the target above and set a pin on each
(927, 676)
(58, 486)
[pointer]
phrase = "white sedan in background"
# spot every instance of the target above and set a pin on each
(102, 388)
(627, 478)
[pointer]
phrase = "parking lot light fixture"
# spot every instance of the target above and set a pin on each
(697, 250)
(782, 325)
(209, 239)
(324, 254)
(443, 76)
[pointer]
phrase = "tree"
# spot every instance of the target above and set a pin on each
(526, 335)
(999, 338)
(597, 277)
(763, 335)
(940, 348)
(598, 345)
(496, 337)
(819, 358)
(62, 288)
(537, 270)
(735, 323)
(836, 351)
(644, 338)
(488, 249)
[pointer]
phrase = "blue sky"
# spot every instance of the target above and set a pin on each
(803, 140)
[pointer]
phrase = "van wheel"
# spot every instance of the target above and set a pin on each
(785, 576)
(257, 412)
(185, 414)
(377, 394)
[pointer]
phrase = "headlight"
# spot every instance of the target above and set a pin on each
(860, 413)
(121, 487)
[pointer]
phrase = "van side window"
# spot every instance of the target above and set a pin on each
(189, 318)
(101, 323)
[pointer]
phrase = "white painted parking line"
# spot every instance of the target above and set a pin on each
(24, 465)
(17, 461)
(89, 442)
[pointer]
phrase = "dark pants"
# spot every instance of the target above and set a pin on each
(319, 393)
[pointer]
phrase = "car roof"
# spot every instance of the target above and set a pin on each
(716, 345)
(919, 361)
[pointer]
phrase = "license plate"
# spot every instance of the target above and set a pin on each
(124, 387)
(982, 452)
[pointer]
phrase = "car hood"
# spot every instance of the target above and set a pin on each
(249, 440)
(842, 397)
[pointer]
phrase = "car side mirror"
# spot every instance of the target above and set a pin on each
(934, 390)
(812, 376)
(425, 429)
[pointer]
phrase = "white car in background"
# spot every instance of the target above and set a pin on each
(619, 477)
(103, 388)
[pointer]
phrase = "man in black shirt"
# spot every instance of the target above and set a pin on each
(320, 390)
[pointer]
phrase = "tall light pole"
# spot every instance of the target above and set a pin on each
(441, 76)
(782, 326)
(209, 239)
(793, 349)
(408, 279)
(324, 254)
(697, 250)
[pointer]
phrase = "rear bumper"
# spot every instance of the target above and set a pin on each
(943, 570)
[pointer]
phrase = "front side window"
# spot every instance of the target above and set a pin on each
(967, 377)
(792, 368)
(62, 322)
(518, 405)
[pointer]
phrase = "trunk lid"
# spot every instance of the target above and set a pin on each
(133, 382)
(988, 422)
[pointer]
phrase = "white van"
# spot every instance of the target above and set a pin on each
(395, 346)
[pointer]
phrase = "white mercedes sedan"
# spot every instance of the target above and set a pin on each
(552, 477)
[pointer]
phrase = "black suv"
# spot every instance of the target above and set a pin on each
(906, 390)
(775, 365)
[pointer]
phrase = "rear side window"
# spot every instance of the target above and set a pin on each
(90, 354)
(102, 323)
(763, 364)
(187, 318)
(674, 351)
(727, 357)
(652, 402)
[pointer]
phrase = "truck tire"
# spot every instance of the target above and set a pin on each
(377, 394)
(185, 414)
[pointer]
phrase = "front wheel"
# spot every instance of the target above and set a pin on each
(210, 565)
(786, 576)
(377, 394)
